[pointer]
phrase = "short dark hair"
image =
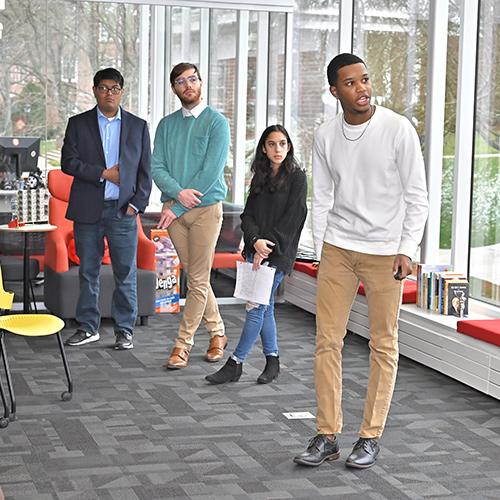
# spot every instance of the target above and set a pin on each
(108, 74)
(178, 69)
(338, 62)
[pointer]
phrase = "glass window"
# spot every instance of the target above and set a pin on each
(484, 269)
(24, 75)
(391, 37)
(449, 132)
(222, 66)
(48, 62)
(184, 45)
(315, 43)
(384, 31)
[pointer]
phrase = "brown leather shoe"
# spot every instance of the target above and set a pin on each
(216, 348)
(178, 358)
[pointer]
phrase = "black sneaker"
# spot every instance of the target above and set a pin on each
(123, 341)
(319, 449)
(364, 453)
(81, 337)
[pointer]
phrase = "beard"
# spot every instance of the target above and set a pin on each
(188, 100)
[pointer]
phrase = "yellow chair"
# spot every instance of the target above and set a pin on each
(26, 325)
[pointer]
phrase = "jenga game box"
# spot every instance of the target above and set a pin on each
(167, 272)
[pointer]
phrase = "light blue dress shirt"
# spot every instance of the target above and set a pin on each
(110, 129)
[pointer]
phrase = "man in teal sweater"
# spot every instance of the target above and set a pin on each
(189, 156)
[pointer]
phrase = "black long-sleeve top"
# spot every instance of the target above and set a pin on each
(278, 216)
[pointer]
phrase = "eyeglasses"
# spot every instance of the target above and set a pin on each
(182, 81)
(102, 89)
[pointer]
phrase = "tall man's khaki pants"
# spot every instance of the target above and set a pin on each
(339, 274)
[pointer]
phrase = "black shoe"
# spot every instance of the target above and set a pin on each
(123, 341)
(319, 449)
(230, 372)
(81, 337)
(364, 453)
(271, 370)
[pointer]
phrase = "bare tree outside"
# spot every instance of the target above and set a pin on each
(49, 53)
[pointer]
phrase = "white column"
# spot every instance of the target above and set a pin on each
(240, 121)
(170, 103)
(464, 146)
(346, 31)
(261, 83)
(2, 7)
(186, 34)
(287, 104)
(346, 18)
(144, 61)
(157, 66)
(434, 125)
(204, 48)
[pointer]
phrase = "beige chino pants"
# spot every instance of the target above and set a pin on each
(339, 274)
(194, 236)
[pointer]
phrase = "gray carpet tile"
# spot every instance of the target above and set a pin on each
(134, 430)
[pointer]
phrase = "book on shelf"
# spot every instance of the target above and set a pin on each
(441, 290)
(443, 277)
(456, 297)
(426, 285)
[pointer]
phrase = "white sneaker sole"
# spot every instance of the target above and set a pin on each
(123, 347)
(89, 340)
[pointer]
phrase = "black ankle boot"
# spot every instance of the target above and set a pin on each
(230, 372)
(271, 370)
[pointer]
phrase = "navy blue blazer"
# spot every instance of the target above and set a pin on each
(82, 157)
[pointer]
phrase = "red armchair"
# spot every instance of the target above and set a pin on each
(61, 288)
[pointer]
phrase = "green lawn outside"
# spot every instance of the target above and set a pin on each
(485, 228)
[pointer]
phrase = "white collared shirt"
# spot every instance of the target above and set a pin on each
(196, 111)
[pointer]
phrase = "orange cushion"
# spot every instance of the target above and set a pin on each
(226, 260)
(409, 291)
(487, 330)
(60, 184)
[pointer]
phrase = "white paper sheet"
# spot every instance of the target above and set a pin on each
(254, 286)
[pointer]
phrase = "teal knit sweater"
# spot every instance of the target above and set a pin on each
(191, 153)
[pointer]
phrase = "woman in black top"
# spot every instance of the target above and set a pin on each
(272, 220)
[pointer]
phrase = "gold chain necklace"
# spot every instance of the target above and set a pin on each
(372, 109)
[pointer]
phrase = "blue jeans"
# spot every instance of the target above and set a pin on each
(260, 320)
(121, 233)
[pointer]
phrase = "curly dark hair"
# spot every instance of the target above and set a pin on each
(261, 165)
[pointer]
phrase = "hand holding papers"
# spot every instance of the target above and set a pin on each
(254, 286)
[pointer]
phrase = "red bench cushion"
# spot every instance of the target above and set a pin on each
(307, 268)
(487, 330)
(409, 291)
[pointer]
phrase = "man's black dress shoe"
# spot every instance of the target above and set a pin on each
(364, 453)
(319, 449)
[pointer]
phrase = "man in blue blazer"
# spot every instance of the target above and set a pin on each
(107, 151)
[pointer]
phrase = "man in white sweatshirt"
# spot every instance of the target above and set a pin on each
(369, 211)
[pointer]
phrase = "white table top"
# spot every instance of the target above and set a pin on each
(29, 228)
